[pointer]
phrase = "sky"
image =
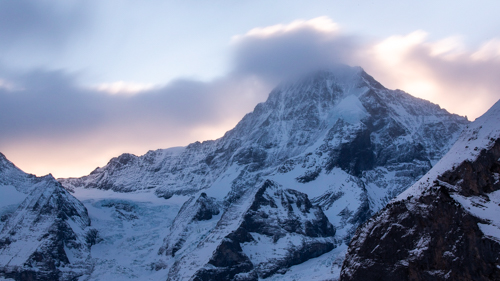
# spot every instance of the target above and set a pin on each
(82, 81)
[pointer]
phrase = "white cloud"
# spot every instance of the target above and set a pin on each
(488, 51)
(9, 86)
(124, 88)
(320, 24)
(441, 71)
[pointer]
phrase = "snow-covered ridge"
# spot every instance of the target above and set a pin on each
(477, 136)
(294, 119)
(336, 135)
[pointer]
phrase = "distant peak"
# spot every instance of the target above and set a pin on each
(4, 162)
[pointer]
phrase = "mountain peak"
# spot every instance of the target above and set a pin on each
(323, 86)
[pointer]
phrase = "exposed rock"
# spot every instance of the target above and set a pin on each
(280, 229)
(336, 135)
(192, 214)
(443, 228)
(48, 236)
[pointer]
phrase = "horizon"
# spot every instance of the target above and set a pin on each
(83, 82)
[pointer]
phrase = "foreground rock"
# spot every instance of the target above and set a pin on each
(446, 226)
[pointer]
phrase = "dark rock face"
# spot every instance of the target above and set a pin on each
(355, 156)
(230, 263)
(432, 236)
(193, 211)
(207, 208)
(273, 198)
(275, 214)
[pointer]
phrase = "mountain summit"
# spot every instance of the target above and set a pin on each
(295, 177)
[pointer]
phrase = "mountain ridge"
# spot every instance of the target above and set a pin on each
(333, 147)
(446, 225)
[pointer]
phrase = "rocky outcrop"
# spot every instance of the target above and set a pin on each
(48, 237)
(187, 224)
(280, 229)
(443, 228)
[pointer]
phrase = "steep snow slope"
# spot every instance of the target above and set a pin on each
(47, 236)
(446, 226)
(337, 136)
(15, 185)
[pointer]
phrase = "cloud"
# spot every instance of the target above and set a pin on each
(283, 51)
(35, 32)
(444, 72)
(124, 88)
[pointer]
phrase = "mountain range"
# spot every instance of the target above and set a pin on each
(279, 197)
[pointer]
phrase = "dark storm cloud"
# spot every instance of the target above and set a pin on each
(39, 23)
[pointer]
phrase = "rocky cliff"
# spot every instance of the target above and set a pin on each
(446, 226)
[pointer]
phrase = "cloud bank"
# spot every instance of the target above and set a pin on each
(50, 123)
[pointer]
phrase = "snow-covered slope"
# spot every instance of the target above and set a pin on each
(446, 226)
(15, 185)
(45, 237)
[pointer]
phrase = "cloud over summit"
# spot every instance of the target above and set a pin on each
(280, 51)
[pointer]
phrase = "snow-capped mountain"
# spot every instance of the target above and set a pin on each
(46, 232)
(446, 226)
(277, 197)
